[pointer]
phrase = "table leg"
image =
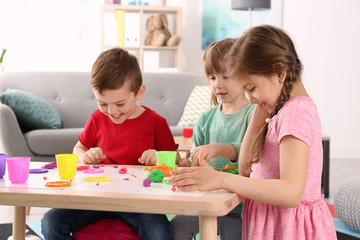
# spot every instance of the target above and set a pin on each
(208, 227)
(19, 224)
(326, 168)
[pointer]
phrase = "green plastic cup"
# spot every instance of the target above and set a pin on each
(166, 157)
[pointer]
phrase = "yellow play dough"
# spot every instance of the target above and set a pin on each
(97, 179)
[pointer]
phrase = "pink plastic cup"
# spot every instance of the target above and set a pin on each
(18, 169)
(2, 164)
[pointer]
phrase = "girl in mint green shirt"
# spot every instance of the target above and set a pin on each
(218, 134)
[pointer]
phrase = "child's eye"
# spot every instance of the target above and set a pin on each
(102, 104)
(212, 78)
(119, 104)
(252, 90)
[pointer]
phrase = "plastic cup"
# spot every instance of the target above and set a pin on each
(18, 169)
(166, 157)
(187, 132)
(2, 164)
(66, 164)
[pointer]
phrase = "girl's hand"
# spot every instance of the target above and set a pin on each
(196, 178)
(203, 154)
(148, 157)
(93, 155)
(183, 162)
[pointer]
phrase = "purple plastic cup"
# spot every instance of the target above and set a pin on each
(2, 164)
(18, 169)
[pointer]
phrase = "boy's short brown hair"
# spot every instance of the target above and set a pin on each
(113, 68)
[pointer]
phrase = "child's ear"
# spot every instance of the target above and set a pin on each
(141, 92)
(281, 71)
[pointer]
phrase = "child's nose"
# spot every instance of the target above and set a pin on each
(111, 110)
(251, 99)
(218, 83)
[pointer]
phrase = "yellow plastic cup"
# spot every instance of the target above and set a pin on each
(66, 164)
(166, 157)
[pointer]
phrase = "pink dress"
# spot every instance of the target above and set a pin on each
(312, 218)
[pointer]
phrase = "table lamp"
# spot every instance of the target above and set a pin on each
(250, 5)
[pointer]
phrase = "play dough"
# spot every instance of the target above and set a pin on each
(97, 179)
(235, 171)
(229, 166)
(165, 169)
(122, 170)
(93, 170)
(156, 175)
(147, 182)
(80, 168)
(50, 165)
(38, 170)
(58, 184)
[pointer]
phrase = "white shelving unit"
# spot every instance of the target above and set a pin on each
(144, 12)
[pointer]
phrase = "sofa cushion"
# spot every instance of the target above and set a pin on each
(198, 102)
(52, 141)
(32, 112)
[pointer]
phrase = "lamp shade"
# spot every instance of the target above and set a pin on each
(250, 4)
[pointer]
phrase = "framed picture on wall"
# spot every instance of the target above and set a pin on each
(219, 21)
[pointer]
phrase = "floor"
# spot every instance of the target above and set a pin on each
(340, 170)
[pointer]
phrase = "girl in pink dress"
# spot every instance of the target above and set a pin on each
(280, 160)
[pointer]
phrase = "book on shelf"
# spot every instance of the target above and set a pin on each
(120, 18)
(110, 29)
(132, 29)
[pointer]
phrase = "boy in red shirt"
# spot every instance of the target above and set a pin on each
(120, 132)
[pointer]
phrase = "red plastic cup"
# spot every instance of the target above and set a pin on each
(187, 132)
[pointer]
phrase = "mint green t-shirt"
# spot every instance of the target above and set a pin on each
(213, 126)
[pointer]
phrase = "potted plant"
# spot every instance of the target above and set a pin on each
(2, 58)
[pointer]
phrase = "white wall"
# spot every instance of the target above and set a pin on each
(326, 34)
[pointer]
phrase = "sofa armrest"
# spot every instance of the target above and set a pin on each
(12, 141)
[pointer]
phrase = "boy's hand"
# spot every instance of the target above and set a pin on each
(94, 155)
(148, 157)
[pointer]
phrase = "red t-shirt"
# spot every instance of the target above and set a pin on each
(124, 143)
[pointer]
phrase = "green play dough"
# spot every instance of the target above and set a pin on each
(156, 175)
(235, 171)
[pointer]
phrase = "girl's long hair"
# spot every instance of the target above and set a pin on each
(216, 59)
(265, 50)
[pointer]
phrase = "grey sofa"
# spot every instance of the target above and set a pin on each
(70, 93)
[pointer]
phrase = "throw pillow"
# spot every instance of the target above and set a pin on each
(32, 112)
(198, 102)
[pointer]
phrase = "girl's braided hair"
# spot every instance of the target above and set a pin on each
(265, 50)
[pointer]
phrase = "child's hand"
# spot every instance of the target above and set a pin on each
(184, 162)
(196, 179)
(148, 157)
(93, 155)
(203, 154)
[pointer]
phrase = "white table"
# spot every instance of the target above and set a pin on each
(116, 195)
